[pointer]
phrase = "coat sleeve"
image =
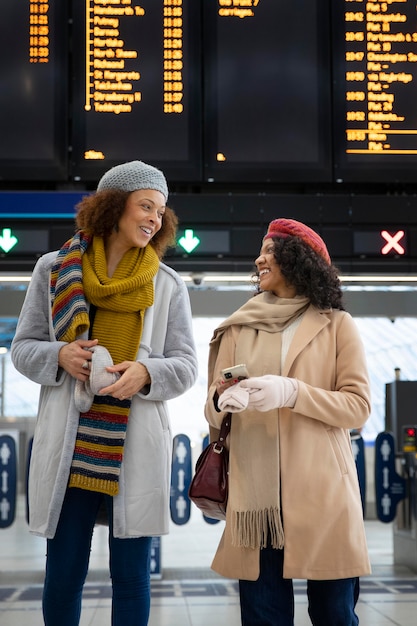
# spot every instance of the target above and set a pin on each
(33, 352)
(222, 355)
(345, 402)
(174, 369)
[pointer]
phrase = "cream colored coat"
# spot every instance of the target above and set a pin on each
(321, 504)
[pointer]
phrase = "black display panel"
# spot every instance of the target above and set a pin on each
(267, 90)
(137, 86)
(375, 78)
(33, 93)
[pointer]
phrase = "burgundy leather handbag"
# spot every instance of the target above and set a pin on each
(209, 487)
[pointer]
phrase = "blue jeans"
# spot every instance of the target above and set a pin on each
(269, 601)
(67, 559)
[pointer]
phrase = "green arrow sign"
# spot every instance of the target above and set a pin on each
(189, 241)
(7, 240)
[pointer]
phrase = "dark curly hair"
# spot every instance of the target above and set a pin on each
(308, 272)
(99, 213)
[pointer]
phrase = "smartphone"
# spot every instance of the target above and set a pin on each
(235, 373)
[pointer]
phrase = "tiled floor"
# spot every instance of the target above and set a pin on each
(188, 593)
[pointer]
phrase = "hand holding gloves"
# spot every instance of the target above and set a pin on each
(270, 392)
(234, 399)
(261, 393)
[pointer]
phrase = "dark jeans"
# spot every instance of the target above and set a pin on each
(67, 559)
(269, 601)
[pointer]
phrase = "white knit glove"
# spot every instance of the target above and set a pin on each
(270, 392)
(234, 399)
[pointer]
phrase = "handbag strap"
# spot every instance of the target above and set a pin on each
(225, 427)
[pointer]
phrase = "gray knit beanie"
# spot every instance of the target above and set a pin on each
(133, 176)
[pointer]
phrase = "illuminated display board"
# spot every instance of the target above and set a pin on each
(137, 86)
(267, 90)
(33, 93)
(23, 241)
(230, 91)
(380, 242)
(375, 90)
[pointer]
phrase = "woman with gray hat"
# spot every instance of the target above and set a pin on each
(106, 330)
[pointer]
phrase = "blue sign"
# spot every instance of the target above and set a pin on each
(39, 204)
(156, 558)
(358, 449)
(390, 487)
(180, 503)
(8, 480)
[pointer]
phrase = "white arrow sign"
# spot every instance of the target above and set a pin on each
(189, 241)
(5, 453)
(4, 509)
(7, 240)
(385, 477)
(4, 481)
(181, 482)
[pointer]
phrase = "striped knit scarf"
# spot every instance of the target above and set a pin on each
(69, 309)
(121, 302)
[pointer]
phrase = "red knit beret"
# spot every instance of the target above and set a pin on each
(283, 227)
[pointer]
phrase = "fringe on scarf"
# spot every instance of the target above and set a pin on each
(251, 529)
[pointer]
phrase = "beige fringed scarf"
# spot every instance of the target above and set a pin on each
(254, 480)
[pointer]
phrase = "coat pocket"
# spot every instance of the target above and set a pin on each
(337, 442)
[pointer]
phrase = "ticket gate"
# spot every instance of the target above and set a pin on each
(405, 523)
(401, 420)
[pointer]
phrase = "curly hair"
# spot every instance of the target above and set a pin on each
(308, 272)
(99, 213)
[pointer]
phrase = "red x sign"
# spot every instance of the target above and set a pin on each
(393, 242)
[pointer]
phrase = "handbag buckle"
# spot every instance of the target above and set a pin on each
(218, 448)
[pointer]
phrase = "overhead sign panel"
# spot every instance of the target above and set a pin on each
(267, 91)
(23, 241)
(375, 79)
(382, 242)
(137, 86)
(34, 91)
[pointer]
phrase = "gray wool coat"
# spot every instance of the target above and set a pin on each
(141, 508)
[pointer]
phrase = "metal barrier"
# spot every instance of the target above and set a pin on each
(396, 491)
(182, 471)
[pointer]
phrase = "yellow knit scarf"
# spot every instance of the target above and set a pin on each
(120, 300)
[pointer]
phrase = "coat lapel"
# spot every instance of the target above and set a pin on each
(312, 323)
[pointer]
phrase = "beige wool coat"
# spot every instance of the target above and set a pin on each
(320, 497)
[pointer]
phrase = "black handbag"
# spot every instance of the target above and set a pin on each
(209, 487)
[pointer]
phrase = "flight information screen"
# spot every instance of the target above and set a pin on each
(33, 91)
(375, 78)
(137, 86)
(267, 90)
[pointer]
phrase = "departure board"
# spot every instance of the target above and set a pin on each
(33, 92)
(137, 86)
(375, 91)
(267, 90)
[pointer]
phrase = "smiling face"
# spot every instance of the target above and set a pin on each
(270, 276)
(141, 219)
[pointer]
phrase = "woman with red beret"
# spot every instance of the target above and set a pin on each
(294, 508)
